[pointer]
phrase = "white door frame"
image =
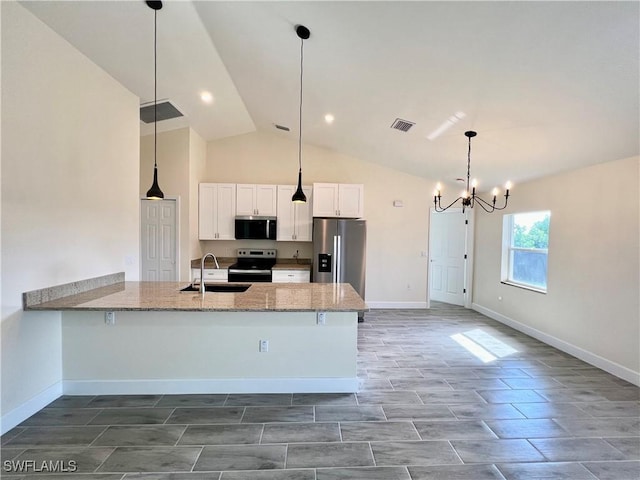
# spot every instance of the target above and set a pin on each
(468, 265)
(177, 229)
(468, 271)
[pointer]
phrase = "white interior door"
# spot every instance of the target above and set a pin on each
(159, 245)
(447, 244)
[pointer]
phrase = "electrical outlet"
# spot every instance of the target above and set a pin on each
(264, 346)
(110, 318)
(321, 318)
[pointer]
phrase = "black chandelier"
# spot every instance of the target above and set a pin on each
(469, 198)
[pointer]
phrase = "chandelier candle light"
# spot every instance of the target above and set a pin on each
(468, 197)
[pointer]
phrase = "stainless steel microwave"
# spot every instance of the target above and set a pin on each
(256, 228)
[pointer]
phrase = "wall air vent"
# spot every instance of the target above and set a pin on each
(402, 125)
(165, 111)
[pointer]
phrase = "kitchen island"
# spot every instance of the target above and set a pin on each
(278, 338)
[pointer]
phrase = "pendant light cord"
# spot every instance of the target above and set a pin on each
(300, 112)
(155, 88)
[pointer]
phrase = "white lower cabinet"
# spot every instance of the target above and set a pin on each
(211, 275)
(290, 276)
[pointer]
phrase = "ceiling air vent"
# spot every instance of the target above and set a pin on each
(165, 111)
(402, 125)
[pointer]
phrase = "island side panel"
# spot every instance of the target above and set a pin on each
(208, 352)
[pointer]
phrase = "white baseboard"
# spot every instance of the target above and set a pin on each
(28, 408)
(396, 305)
(225, 385)
(607, 365)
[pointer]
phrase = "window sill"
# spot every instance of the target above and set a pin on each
(524, 287)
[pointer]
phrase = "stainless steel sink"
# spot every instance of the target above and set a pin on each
(223, 287)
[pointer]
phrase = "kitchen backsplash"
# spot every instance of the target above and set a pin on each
(227, 248)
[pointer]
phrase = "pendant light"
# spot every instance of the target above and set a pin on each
(154, 192)
(299, 197)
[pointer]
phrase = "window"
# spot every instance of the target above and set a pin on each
(525, 248)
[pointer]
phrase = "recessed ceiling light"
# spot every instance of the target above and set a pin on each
(206, 97)
(329, 118)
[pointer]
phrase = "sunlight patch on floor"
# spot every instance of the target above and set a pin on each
(483, 345)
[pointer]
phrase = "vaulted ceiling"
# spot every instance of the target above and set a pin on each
(548, 86)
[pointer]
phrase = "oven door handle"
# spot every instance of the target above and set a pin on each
(249, 272)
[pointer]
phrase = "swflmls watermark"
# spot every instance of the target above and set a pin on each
(44, 466)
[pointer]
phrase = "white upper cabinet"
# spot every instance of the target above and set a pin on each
(344, 200)
(256, 200)
(294, 219)
(350, 200)
(216, 211)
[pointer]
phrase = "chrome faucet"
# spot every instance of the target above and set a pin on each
(202, 269)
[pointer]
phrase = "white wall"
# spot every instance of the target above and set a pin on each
(205, 352)
(70, 143)
(592, 305)
(396, 273)
(181, 156)
(197, 167)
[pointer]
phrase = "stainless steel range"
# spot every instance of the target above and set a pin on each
(253, 265)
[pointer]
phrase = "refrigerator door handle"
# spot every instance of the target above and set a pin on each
(339, 260)
(334, 271)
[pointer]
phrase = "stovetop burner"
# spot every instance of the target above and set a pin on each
(253, 264)
(255, 259)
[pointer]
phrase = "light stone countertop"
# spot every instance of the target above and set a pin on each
(166, 296)
(223, 262)
(291, 266)
(281, 264)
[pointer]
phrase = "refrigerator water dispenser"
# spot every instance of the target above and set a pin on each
(324, 262)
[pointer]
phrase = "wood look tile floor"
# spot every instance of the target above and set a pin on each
(427, 409)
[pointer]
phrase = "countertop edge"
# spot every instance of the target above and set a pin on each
(202, 310)
(281, 264)
(153, 296)
(31, 299)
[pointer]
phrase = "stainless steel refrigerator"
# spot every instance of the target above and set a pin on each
(339, 252)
